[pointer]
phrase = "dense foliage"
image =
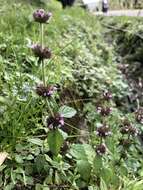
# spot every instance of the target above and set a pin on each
(64, 122)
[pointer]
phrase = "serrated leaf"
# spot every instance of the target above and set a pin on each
(67, 111)
(55, 141)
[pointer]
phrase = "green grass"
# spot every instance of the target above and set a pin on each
(83, 65)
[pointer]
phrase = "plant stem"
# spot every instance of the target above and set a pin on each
(42, 34)
(43, 73)
(43, 66)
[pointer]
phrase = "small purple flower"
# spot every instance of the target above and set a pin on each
(107, 95)
(42, 53)
(101, 149)
(45, 91)
(128, 129)
(139, 115)
(103, 111)
(41, 16)
(103, 131)
(54, 122)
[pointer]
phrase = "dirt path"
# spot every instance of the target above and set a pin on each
(133, 13)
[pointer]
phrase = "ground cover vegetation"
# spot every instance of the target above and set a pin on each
(65, 117)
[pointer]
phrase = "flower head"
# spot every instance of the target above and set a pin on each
(104, 111)
(139, 115)
(41, 16)
(101, 149)
(42, 53)
(127, 128)
(107, 95)
(103, 131)
(53, 122)
(45, 91)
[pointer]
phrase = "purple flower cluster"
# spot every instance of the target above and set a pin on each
(107, 95)
(101, 149)
(41, 16)
(127, 128)
(42, 53)
(139, 115)
(45, 91)
(103, 131)
(55, 121)
(104, 111)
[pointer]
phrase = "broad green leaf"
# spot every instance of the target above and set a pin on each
(55, 141)
(84, 168)
(107, 174)
(97, 164)
(83, 152)
(67, 111)
(36, 141)
(40, 162)
(18, 159)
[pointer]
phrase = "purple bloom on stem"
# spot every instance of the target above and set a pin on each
(55, 121)
(42, 53)
(104, 111)
(128, 129)
(139, 115)
(101, 149)
(107, 95)
(41, 16)
(103, 131)
(45, 91)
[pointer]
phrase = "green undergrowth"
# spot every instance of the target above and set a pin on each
(127, 37)
(83, 65)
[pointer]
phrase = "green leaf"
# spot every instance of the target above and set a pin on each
(103, 185)
(18, 159)
(84, 168)
(36, 141)
(55, 141)
(83, 152)
(107, 174)
(67, 111)
(38, 187)
(40, 162)
(97, 164)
